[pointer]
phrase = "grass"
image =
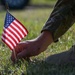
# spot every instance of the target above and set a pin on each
(43, 2)
(34, 21)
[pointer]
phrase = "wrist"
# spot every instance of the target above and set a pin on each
(45, 36)
(45, 40)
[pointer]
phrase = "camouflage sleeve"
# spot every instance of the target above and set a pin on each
(60, 20)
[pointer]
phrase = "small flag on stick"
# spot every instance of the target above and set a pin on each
(13, 31)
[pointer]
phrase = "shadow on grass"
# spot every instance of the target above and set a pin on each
(59, 64)
(43, 68)
(37, 68)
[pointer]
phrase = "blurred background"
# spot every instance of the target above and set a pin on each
(21, 4)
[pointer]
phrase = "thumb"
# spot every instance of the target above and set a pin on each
(13, 56)
(22, 54)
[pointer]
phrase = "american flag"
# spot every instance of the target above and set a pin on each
(13, 31)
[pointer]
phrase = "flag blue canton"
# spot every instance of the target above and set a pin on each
(8, 20)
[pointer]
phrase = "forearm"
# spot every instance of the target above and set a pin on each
(44, 40)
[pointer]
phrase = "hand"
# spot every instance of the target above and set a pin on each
(32, 47)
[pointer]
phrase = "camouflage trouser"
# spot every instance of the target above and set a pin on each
(61, 19)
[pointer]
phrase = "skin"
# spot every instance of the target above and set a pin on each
(33, 47)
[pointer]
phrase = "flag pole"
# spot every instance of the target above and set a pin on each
(14, 52)
(7, 9)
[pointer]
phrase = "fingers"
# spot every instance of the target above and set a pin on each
(15, 57)
(20, 47)
(24, 55)
(21, 55)
(19, 51)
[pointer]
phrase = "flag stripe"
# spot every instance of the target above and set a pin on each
(13, 36)
(9, 39)
(8, 42)
(12, 33)
(15, 32)
(19, 35)
(16, 28)
(21, 26)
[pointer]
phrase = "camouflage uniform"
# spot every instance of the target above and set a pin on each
(61, 19)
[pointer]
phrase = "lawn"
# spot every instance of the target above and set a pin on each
(34, 20)
(43, 2)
